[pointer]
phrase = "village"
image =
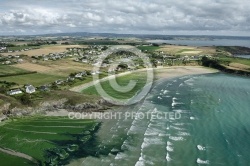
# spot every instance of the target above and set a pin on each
(116, 62)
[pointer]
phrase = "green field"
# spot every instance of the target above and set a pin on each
(148, 48)
(235, 60)
(48, 140)
(185, 50)
(6, 69)
(36, 79)
(7, 160)
(22, 47)
(139, 77)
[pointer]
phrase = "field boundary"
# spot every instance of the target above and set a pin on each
(18, 154)
(19, 74)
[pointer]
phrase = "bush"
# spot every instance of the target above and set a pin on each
(25, 99)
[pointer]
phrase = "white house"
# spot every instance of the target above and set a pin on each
(30, 89)
(14, 92)
(84, 60)
(59, 82)
(79, 75)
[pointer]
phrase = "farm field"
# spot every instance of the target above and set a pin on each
(36, 79)
(61, 67)
(5, 70)
(46, 50)
(47, 140)
(186, 50)
(148, 48)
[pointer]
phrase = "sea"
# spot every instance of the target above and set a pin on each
(206, 42)
(213, 129)
(242, 56)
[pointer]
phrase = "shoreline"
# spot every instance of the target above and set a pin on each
(161, 72)
(161, 75)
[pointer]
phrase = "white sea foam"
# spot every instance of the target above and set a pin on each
(126, 145)
(174, 98)
(176, 138)
(181, 84)
(199, 161)
(120, 156)
(165, 92)
(140, 163)
(183, 134)
(201, 148)
(168, 157)
(174, 102)
(190, 83)
(144, 145)
(163, 135)
(170, 149)
(169, 143)
(180, 111)
(179, 124)
(151, 141)
(177, 128)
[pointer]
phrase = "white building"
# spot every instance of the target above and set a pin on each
(30, 89)
(14, 92)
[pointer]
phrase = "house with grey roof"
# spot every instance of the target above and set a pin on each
(30, 89)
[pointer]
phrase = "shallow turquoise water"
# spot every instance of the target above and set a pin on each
(214, 128)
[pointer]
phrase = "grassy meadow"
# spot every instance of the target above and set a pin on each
(139, 77)
(148, 48)
(6, 69)
(36, 79)
(7, 160)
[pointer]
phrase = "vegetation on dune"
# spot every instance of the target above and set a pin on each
(217, 64)
(148, 48)
(234, 50)
(229, 59)
(139, 77)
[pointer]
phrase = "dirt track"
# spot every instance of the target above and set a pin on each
(18, 154)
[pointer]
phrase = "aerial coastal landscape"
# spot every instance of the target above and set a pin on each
(124, 83)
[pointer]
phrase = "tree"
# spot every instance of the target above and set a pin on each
(53, 42)
(25, 99)
(123, 66)
(3, 89)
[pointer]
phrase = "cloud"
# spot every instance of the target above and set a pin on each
(141, 16)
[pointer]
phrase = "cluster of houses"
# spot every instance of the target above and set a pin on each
(2, 49)
(28, 89)
(54, 56)
(10, 59)
(87, 55)
(20, 50)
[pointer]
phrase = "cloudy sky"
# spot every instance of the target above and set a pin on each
(202, 17)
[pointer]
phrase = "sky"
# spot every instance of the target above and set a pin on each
(168, 17)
